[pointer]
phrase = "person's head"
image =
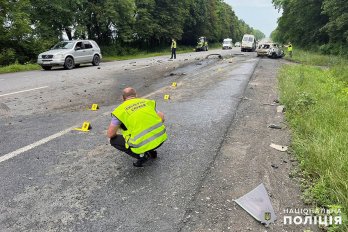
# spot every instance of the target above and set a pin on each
(173, 39)
(128, 93)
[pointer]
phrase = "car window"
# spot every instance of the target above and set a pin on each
(79, 45)
(87, 45)
(245, 38)
(63, 45)
(250, 39)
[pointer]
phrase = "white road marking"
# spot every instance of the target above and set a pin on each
(22, 91)
(33, 145)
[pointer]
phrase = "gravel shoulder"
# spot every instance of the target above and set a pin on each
(246, 160)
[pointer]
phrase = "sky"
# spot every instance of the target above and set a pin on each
(259, 14)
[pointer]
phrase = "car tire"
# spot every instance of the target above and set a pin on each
(274, 55)
(96, 60)
(47, 67)
(69, 63)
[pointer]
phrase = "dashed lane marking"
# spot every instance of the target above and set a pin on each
(22, 91)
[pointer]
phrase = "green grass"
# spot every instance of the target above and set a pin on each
(316, 100)
(19, 68)
(312, 58)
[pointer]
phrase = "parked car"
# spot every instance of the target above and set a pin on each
(248, 43)
(237, 44)
(227, 44)
(70, 54)
(202, 44)
(271, 50)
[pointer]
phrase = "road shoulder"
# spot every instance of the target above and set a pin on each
(246, 160)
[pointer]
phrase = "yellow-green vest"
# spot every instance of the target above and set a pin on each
(145, 130)
(173, 44)
(289, 48)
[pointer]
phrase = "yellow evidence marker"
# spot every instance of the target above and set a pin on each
(166, 97)
(86, 126)
(94, 107)
(174, 84)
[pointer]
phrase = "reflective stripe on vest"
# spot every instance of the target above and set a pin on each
(147, 140)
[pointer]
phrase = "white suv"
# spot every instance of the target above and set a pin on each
(70, 54)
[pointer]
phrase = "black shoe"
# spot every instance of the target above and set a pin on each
(139, 163)
(152, 154)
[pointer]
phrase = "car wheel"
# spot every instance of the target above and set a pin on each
(69, 63)
(47, 67)
(96, 60)
(274, 55)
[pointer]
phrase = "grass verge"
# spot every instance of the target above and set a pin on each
(19, 68)
(316, 100)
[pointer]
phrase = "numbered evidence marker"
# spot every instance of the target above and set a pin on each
(174, 84)
(86, 126)
(166, 97)
(94, 107)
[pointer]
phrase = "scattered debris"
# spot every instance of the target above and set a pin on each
(258, 204)
(280, 109)
(278, 147)
(273, 126)
(219, 55)
(276, 101)
(199, 63)
(98, 68)
(274, 166)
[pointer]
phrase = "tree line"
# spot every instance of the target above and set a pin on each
(314, 23)
(32, 26)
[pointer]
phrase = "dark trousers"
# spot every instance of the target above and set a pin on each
(118, 142)
(173, 53)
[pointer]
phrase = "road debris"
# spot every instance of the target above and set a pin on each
(279, 147)
(274, 126)
(280, 109)
(258, 204)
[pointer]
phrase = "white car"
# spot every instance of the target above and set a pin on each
(70, 54)
(227, 44)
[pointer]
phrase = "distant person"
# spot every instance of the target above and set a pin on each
(290, 49)
(141, 126)
(173, 47)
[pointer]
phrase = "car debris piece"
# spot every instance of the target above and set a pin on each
(219, 56)
(258, 204)
(278, 147)
(273, 126)
(280, 109)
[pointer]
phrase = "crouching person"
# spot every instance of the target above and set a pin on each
(141, 126)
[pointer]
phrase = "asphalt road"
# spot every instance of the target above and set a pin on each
(56, 179)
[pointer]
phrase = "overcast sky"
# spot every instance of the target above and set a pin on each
(259, 14)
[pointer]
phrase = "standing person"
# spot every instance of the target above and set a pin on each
(290, 49)
(141, 125)
(173, 47)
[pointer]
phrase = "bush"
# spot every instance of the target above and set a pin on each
(7, 56)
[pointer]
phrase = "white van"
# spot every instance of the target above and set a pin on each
(227, 44)
(248, 43)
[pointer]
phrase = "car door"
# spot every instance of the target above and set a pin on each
(79, 53)
(89, 51)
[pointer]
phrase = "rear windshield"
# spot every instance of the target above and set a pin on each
(246, 38)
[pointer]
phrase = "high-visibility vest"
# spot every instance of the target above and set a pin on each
(145, 129)
(173, 44)
(289, 48)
